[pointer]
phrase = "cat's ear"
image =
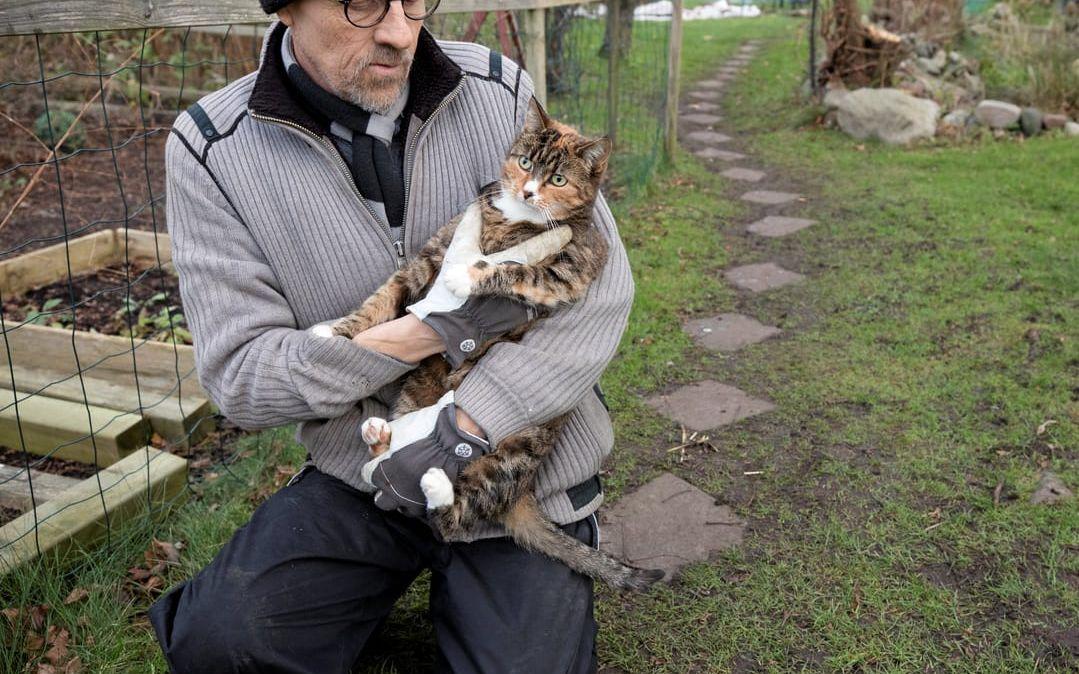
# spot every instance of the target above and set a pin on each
(536, 120)
(596, 153)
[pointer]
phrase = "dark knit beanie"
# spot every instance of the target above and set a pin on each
(271, 6)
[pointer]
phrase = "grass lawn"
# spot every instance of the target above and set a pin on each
(921, 365)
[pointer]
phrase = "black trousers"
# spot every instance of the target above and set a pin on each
(303, 586)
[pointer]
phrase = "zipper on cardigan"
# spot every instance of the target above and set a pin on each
(397, 246)
(410, 148)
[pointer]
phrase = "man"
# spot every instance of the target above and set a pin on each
(292, 195)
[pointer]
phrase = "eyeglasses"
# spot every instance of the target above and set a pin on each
(368, 13)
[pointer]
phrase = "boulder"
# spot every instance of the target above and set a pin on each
(997, 114)
(1030, 121)
(1053, 121)
(1072, 129)
(889, 115)
(935, 64)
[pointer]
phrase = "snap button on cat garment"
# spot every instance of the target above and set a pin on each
(468, 346)
(463, 450)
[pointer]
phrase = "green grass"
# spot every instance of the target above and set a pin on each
(934, 335)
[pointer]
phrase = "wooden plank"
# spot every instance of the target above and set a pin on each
(88, 253)
(105, 356)
(76, 518)
(674, 66)
(48, 265)
(535, 46)
(15, 487)
(60, 428)
(143, 247)
(26, 17)
(176, 415)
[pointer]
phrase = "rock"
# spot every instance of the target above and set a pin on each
(957, 117)
(889, 115)
(934, 65)
(1071, 129)
(1030, 121)
(997, 114)
(1053, 121)
(1050, 490)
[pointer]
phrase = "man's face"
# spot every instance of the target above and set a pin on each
(365, 66)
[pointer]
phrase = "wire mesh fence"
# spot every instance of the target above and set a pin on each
(98, 369)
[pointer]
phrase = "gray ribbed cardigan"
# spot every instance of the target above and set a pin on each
(269, 238)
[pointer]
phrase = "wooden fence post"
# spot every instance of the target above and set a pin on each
(674, 77)
(535, 39)
(614, 21)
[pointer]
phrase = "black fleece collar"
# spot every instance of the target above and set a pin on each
(432, 77)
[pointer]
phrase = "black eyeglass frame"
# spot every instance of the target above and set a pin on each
(385, 10)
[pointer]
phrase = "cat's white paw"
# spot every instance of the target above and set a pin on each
(322, 330)
(457, 280)
(437, 488)
(375, 431)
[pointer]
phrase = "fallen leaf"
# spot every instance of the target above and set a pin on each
(73, 666)
(1045, 426)
(200, 463)
(45, 668)
(76, 595)
(58, 640)
(37, 615)
(34, 642)
(12, 614)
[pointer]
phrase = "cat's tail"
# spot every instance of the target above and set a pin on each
(532, 531)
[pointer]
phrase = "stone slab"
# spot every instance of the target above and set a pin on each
(720, 155)
(701, 118)
(707, 137)
(728, 332)
(707, 404)
(704, 95)
(702, 106)
(739, 61)
(769, 198)
(778, 225)
(711, 84)
(743, 174)
(760, 277)
(729, 70)
(666, 524)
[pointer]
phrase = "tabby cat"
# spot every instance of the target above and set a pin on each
(549, 182)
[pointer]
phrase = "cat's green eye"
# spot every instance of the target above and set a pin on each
(558, 180)
(525, 163)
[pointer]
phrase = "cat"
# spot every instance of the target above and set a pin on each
(516, 210)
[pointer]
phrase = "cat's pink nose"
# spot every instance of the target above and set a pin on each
(527, 194)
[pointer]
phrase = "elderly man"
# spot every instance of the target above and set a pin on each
(292, 195)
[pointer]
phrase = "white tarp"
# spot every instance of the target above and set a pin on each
(661, 11)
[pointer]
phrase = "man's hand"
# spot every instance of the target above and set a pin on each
(466, 323)
(419, 441)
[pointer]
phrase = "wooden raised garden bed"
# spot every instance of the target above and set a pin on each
(101, 417)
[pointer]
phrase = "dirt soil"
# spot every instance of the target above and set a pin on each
(99, 299)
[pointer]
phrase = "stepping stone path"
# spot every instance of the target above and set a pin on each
(728, 332)
(779, 225)
(769, 198)
(708, 137)
(743, 174)
(722, 155)
(701, 118)
(760, 277)
(667, 524)
(707, 404)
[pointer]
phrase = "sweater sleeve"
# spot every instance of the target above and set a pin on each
(518, 385)
(252, 358)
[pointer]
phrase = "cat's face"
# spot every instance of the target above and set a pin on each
(551, 169)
